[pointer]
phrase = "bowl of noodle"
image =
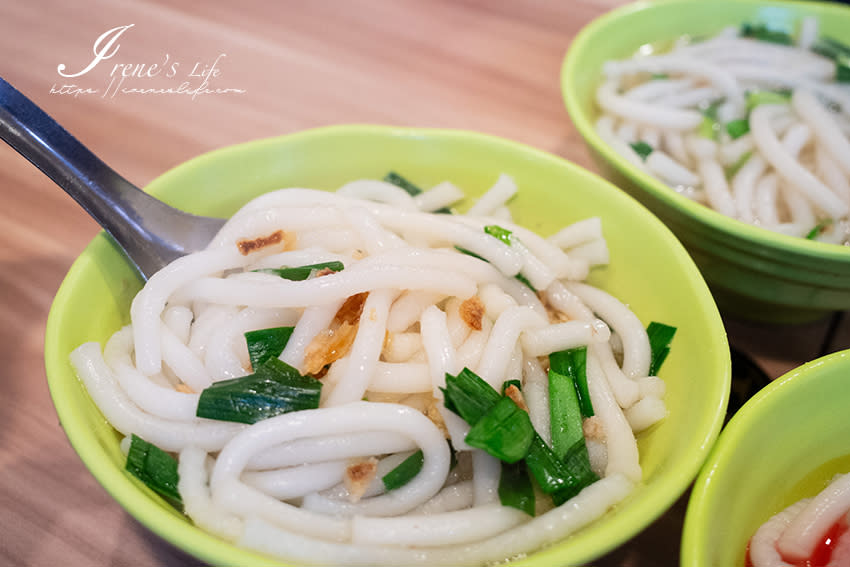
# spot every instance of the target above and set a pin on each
(775, 457)
(367, 445)
(731, 122)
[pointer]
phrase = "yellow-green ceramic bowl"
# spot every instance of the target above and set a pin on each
(785, 444)
(753, 273)
(649, 270)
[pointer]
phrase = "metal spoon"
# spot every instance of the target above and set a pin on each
(151, 233)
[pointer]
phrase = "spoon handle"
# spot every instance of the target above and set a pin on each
(149, 231)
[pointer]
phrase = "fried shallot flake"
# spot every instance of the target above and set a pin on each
(593, 429)
(334, 342)
(515, 394)
(472, 312)
(358, 476)
(555, 316)
(351, 309)
(329, 346)
(248, 245)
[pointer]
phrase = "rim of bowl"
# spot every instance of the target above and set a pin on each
(694, 537)
(205, 546)
(583, 43)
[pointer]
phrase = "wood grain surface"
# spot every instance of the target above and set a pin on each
(282, 66)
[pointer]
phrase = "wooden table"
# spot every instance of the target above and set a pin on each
(287, 66)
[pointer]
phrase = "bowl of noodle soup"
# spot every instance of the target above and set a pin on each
(648, 271)
(766, 253)
(786, 444)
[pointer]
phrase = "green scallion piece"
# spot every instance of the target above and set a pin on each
(710, 125)
(755, 98)
(264, 344)
(399, 181)
(660, 336)
(412, 190)
(507, 383)
(708, 128)
(557, 476)
(818, 229)
(577, 462)
(505, 432)
(404, 472)
(519, 277)
(737, 128)
(565, 415)
(469, 396)
(842, 69)
(763, 32)
(497, 231)
(831, 48)
(573, 364)
(642, 149)
(300, 273)
(274, 388)
(515, 488)
(659, 76)
(153, 466)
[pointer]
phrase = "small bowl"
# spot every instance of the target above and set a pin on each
(785, 444)
(754, 273)
(653, 274)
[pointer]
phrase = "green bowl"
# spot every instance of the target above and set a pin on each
(785, 444)
(753, 273)
(653, 274)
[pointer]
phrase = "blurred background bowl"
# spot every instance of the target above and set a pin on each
(785, 444)
(752, 272)
(653, 274)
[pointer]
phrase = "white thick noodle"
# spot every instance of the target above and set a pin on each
(800, 141)
(284, 485)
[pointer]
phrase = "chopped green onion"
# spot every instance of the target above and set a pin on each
(710, 125)
(762, 32)
(497, 231)
(733, 169)
(831, 48)
(577, 462)
(515, 488)
(755, 98)
(519, 277)
(838, 52)
(469, 396)
(842, 69)
(565, 416)
(412, 190)
(264, 344)
(642, 149)
(507, 383)
(556, 476)
(660, 336)
(274, 388)
(404, 472)
(153, 466)
(524, 280)
(399, 181)
(818, 229)
(737, 128)
(659, 76)
(505, 432)
(300, 273)
(708, 128)
(573, 364)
